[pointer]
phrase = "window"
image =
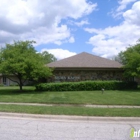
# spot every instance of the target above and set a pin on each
(4, 80)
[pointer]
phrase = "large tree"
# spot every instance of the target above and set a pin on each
(131, 60)
(48, 57)
(21, 60)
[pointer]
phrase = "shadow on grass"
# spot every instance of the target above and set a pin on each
(16, 91)
(32, 90)
(130, 90)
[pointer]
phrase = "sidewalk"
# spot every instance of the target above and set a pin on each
(69, 117)
(71, 105)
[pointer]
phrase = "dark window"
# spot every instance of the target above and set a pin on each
(4, 80)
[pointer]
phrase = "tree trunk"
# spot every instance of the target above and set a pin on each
(20, 87)
(20, 84)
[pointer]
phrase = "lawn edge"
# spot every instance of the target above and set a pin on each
(68, 117)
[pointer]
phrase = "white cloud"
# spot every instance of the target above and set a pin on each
(59, 53)
(71, 40)
(43, 35)
(40, 20)
(81, 23)
(118, 12)
(123, 4)
(111, 40)
(132, 16)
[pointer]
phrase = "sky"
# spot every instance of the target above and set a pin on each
(68, 27)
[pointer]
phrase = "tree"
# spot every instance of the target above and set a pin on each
(48, 57)
(131, 60)
(120, 58)
(21, 61)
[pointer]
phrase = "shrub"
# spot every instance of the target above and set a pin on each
(13, 84)
(86, 86)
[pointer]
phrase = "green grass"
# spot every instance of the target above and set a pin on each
(12, 94)
(71, 110)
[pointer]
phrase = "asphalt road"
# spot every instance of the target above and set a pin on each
(26, 128)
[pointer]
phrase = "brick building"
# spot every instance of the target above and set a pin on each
(85, 66)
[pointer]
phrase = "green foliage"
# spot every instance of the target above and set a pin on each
(48, 57)
(131, 60)
(21, 60)
(13, 85)
(120, 58)
(86, 86)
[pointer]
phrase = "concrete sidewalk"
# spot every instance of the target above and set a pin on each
(70, 117)
(71, 105)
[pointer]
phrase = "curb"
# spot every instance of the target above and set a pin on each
(66, 117)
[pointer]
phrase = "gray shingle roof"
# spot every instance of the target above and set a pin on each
(85, 60)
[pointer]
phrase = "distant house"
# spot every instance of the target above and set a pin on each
(85, 66)
(7, 82)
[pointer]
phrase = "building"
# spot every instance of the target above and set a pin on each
(7, 82)
(85, 66)
(80, 67)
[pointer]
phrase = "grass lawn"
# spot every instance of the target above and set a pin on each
(11, 94)
(122, 112)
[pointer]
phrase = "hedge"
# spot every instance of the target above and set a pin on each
(86, 86)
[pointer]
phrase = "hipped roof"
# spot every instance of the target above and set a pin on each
(85, 60)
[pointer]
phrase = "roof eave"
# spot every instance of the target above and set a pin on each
(87, 68)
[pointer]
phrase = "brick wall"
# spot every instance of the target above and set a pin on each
(82, 75)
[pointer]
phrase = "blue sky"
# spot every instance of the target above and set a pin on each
(65, 28)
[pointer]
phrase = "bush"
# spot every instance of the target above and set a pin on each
(86, 86)
(13, 85)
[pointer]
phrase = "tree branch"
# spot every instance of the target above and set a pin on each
(11, 79)
(24, 81)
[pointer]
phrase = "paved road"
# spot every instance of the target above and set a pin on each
(27, 128)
